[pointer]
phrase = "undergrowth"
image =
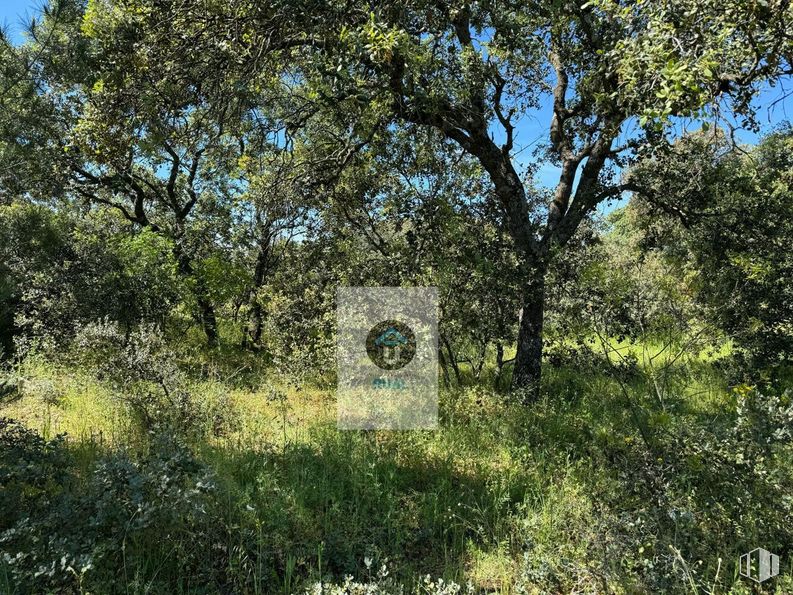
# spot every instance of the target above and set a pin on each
(169, 481)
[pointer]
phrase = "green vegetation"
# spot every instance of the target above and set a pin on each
(268, 496)
(184, 185)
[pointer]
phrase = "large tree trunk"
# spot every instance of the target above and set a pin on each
(253, 334)
(528, 359)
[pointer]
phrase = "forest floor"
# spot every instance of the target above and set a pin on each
(607, 484)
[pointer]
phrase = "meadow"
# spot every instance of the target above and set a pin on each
(603, 486)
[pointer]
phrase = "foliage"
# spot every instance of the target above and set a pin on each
(68, 532)
(146, 376)
(721, 217)
(569, 495)
(184, 185)
(315, 99)
(61, 271)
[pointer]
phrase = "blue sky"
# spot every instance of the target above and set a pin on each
(13, 11)
(773, 107)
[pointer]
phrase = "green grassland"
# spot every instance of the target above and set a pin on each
(608, 484)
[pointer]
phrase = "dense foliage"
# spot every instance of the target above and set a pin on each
(185, 184)
(724, 216)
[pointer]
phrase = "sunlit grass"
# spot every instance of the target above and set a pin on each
(500, 494)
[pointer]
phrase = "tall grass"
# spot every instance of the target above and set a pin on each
(566, 495)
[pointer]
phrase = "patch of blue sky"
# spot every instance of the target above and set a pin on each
(14, 14)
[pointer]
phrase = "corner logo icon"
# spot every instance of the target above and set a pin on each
(759, 565)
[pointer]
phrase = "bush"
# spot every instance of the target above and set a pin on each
(153, 519)
(58, 271)
(145, 374)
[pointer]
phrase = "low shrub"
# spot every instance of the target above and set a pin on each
(145, 524)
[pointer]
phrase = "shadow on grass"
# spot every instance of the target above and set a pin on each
(327, 506)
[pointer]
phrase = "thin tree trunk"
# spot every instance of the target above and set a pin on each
(452, 359)
(527, 372)
(480, 362)
(499, 364)
(444, 368)
(208, 318)
(206, 311)
(7, 328)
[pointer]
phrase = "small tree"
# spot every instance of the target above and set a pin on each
(724, 216)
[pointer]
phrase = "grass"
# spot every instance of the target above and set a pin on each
(557, 497)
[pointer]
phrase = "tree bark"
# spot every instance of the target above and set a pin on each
(499, 363)
(444, 368)
(208, 318)
(253, 334)
(255, 325)
(452, 359)
(527, 372)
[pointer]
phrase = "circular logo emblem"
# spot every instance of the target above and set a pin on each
(391, 345)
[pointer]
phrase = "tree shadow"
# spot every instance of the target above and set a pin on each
(328, 506)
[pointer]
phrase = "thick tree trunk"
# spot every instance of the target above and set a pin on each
(528, 359)
(512, 196)
(253, 334)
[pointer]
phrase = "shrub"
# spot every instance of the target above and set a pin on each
(145, 374)
(152, 519)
